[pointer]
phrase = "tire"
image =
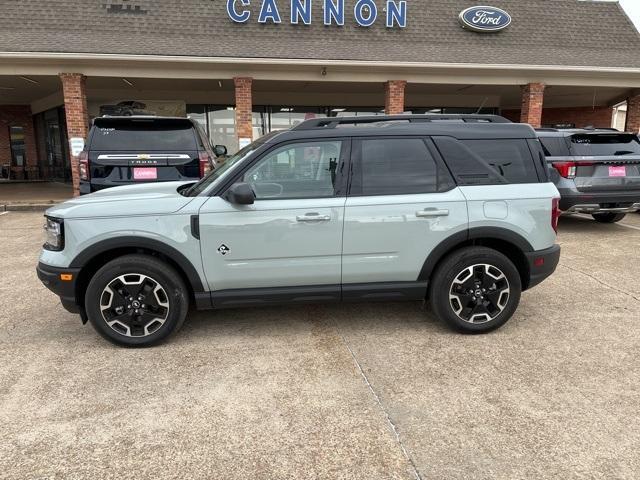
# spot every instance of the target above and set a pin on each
(608, 217)
(460, 271)
(133, 281)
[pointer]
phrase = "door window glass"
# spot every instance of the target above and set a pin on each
(395, 166)
(299, 170)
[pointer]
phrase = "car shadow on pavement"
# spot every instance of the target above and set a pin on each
(583, 224)
(283, 320)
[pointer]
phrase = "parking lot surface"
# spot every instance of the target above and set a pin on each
(371, 391)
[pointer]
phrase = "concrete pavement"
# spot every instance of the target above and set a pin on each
(371, 391)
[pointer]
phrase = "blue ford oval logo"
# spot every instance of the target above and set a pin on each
(485, 19)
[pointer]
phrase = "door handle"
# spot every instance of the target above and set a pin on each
(313, 217)
(432, 212)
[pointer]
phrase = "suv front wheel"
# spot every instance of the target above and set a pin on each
(136, 301)
(475, 290)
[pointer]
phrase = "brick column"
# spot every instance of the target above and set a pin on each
(244, 107)
(532, 101)
(77, 116)
(394, 97)
(633, 114)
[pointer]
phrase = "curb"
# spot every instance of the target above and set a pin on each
(26, 207)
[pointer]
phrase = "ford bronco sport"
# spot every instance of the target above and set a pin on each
(597, 171)
(455, 209)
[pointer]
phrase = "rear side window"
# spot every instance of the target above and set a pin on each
(467, 167)
(395, 166)
(510, 158)
(614, 144)
(143, 135)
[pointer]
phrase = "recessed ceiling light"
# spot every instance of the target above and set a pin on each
(30, 80)
(127, 82)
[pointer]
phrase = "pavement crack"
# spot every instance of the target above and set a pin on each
(601, 282)
(376, 397)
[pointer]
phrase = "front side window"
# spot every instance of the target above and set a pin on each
(296, 170)
(396, 166)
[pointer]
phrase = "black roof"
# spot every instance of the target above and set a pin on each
(401, 125)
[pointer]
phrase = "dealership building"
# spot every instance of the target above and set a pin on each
(243, 68)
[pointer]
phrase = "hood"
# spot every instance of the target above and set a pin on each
(145, 199)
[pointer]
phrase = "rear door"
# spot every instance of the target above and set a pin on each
(606, 162)
(402, 203)
(132, 150)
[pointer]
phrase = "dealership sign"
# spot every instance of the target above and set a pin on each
(365, 12)
(485, 19)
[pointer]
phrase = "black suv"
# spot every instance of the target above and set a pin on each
(597, 171)
(134, 149)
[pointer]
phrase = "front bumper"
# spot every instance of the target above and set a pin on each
(542, 263)
(65, 289)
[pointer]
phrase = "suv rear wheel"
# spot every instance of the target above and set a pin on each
(608, 217)
(136, 301)
(475, 290)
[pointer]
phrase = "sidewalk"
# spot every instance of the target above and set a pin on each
(33, 195)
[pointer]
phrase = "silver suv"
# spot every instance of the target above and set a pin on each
(597, 171)
(458, 210)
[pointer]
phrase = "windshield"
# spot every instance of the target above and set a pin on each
(203, 184)
(613, 144)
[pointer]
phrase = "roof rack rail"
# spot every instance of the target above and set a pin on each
(333, 122)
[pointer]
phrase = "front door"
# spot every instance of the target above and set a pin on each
(402, 203)
(289, 242)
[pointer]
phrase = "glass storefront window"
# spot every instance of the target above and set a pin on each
(284, 118)
(198, 113)
(355, 111)
(16, 139)
(219, 122)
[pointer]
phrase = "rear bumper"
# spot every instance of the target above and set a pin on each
(66, 290)
(542, 263)
(573, 201)
(598, 208)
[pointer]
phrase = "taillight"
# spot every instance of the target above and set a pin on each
(565, 169)
(205, 163)
(569, 169)
(555, 213)
(83, 160)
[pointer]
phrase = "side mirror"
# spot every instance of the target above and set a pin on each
(220, 150)
(241, 194)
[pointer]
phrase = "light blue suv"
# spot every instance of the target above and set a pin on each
(458, 210)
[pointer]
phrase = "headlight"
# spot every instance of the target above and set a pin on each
(54, 229)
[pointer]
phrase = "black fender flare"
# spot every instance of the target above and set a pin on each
(91, 252)
(489, 233)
